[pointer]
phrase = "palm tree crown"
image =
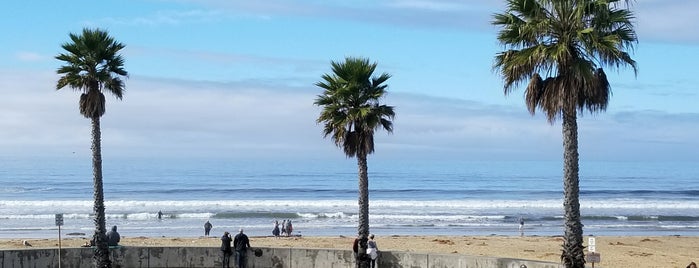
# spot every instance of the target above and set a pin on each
(351, 109)
(92, 65)
(568, 41)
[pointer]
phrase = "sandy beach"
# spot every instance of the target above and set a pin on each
(635, 251)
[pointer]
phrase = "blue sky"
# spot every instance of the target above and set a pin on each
(215, 78)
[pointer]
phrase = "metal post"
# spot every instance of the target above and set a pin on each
(59, 222)
(59, 246)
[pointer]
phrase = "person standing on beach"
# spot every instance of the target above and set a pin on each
(241, 244)
(372, 250)
(289, 228)
(355, 249)
(207, 228)
(226, 250)
(275, 231)
(284, 227)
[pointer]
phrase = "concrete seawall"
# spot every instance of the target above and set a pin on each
(133, 257)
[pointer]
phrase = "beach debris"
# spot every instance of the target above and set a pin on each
(444, 241)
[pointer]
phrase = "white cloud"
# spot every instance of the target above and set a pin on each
(29, 56)
(433, 14)
(164, 118)
(212, 65)
(657, 20)
(667, 20)
(168, 17)
(430, 5)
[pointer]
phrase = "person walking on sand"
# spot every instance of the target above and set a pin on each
(241, 244)
(226, 250)
(372, 250)
(275, 231)
(207, 228)
(289, 228)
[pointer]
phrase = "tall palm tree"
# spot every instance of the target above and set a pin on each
(93, 66)
(569, 41)
(351, 113)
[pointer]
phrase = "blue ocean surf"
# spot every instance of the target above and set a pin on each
(406, 198)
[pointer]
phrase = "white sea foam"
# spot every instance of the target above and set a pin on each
(49, 207)
(324, 215)
(196, 215)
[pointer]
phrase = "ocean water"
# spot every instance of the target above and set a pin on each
(320, 198)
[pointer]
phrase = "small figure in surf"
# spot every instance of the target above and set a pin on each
(160, 214)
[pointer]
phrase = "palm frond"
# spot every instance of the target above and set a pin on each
(92, 65)
(567, 41)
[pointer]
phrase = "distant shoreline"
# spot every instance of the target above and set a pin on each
(616, 251)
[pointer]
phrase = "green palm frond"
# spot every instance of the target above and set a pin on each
(351, 109)
(568, 41)
(92, 63)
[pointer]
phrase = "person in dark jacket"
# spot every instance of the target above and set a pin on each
(355, 249)
(226, 249)
(241, 243)
(275, 231)
(113, 237)
(207, 228)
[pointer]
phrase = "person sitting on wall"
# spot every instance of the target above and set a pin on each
(113, 237)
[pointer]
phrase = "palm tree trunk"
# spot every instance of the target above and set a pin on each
(572, 256)
(363, 209)
(101, 258)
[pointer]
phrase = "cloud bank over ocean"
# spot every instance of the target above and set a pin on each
(251, 119)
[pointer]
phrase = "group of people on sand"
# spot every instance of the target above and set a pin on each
(286, 228)
(240, 244)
